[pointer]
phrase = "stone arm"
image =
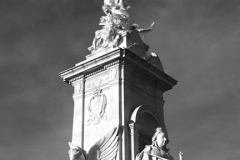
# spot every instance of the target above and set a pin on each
(144, 30)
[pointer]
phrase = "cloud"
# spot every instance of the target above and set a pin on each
(197, 41)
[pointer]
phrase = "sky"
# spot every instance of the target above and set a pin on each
(198, 42)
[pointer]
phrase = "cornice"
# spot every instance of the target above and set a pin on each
(93, 66)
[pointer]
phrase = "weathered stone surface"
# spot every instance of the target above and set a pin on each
(107, 90)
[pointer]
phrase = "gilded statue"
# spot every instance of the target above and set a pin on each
(157, 150)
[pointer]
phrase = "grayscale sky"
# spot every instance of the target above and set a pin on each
(198, 42)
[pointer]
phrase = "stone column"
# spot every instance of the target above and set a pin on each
(134, 129)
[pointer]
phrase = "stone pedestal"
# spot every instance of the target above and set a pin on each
(117, 88)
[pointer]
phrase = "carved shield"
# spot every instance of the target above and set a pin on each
(97, 107)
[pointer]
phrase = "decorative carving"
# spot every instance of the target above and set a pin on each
(78, 88)
(96, 107)
(112, 74)
(104, 149)
(75, 78)
(103, 69)
(75, 152)
(157, 150)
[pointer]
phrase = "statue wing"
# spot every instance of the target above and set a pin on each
(105, 148)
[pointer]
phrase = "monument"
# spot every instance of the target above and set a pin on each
(118, 94)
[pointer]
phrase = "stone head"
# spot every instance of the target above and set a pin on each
(159, 138)
(75, 152)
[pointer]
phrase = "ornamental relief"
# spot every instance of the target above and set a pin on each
(113, 74)
(96, 108)
(78, 88)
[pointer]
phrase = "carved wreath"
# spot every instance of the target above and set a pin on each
(96, 107)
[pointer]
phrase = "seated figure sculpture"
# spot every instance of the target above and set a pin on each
(104, 37)
(157, 150)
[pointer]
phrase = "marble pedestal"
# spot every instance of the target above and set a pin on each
(117, 89)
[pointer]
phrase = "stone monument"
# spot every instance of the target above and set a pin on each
(118, 94)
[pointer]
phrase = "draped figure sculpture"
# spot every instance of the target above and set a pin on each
(114, 23)
(157, 150)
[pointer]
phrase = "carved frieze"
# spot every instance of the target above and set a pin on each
(96, 82)
(96, 107)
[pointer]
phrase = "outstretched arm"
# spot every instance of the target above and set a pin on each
(148, 29)
(144, 30)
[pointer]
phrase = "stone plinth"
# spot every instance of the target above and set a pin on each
(117, 88)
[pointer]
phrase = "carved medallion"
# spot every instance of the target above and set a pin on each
(96, 107)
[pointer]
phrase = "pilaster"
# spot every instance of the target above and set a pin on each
(107, 89)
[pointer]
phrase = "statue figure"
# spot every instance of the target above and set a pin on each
(75, 152)
(135, 27)
(104, 37)
(114, 23)
(117, 10)
(117, 4)
(104, 148)
(180, 155)
(157, 150)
